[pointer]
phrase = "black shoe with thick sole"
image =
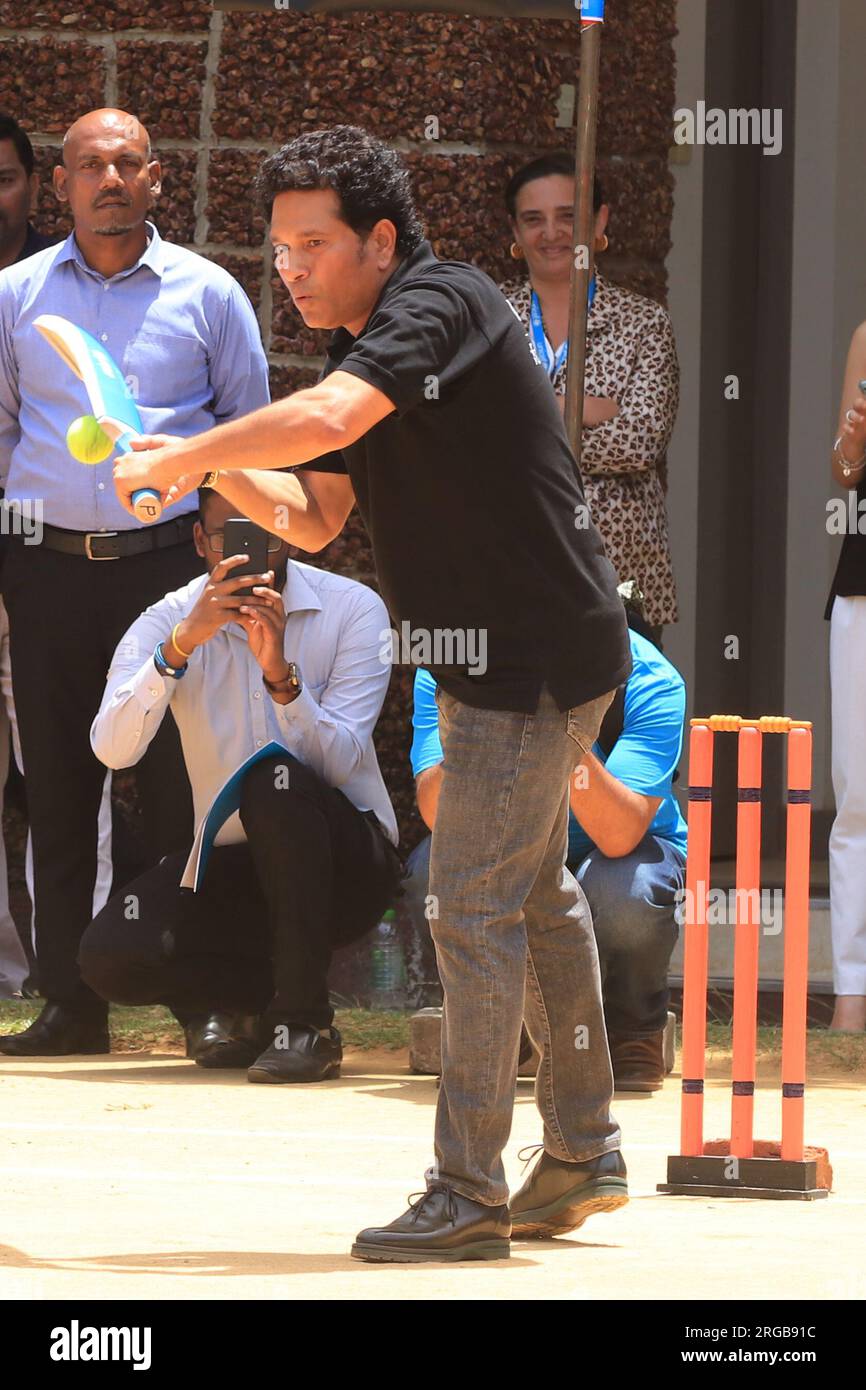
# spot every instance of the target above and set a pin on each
(224, 1040)
(441, 1226)
(558, 1197)
(298, 1055)
(61, 1031)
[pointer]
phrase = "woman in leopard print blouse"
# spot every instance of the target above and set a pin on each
(632, 377)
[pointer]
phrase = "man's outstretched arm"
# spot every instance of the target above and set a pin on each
(319, 420)
(306, 509)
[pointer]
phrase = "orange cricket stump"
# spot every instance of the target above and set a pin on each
(743, 1166)
(796, 959)
(696, 945)
(746, 937)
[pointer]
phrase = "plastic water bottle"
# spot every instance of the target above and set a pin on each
(388, 973)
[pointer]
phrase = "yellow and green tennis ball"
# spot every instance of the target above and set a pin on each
(87, 441)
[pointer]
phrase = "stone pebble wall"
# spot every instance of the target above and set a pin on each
(218, 91)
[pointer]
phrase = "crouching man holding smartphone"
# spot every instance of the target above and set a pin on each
(309, 862)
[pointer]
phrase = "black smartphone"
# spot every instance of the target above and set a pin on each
(244, 537)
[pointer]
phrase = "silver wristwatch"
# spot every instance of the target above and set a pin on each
(291, 683)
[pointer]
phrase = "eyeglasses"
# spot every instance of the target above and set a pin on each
(216, 540)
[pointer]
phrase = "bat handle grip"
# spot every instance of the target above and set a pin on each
(147, 505)
(146, 501)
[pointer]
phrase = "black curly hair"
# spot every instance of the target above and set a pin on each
(370, 179)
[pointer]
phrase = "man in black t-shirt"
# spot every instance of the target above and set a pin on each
(433, 416)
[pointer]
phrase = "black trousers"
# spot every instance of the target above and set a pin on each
(66, 616)
(257, 937)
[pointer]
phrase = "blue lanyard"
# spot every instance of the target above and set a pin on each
(549, 360)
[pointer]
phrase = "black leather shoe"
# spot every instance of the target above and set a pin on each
(558, 1196)
(224, 1040)
(58, 1031)
(638, 1063)
(440, 1226)
(299, 1054)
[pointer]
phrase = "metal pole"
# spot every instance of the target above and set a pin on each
(584, 218)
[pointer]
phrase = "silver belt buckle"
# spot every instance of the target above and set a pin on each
(103, 535)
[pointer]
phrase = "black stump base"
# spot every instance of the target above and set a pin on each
(709, 1175)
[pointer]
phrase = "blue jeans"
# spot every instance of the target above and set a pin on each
(423, 986)
(514, 938)
(632, 900)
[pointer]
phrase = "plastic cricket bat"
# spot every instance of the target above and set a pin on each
(110, 401)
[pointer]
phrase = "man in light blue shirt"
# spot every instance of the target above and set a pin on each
(279, 690)
(626, 847)
(186, 338)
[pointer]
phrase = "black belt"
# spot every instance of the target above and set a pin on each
(116, 545)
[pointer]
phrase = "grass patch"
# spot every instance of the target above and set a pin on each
(842, 1052)
(153, 1028)
(369, 1028)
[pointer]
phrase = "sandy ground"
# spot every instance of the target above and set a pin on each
(144, 1177)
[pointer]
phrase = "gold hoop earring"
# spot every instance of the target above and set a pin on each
(604, 243)
(516, 252)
